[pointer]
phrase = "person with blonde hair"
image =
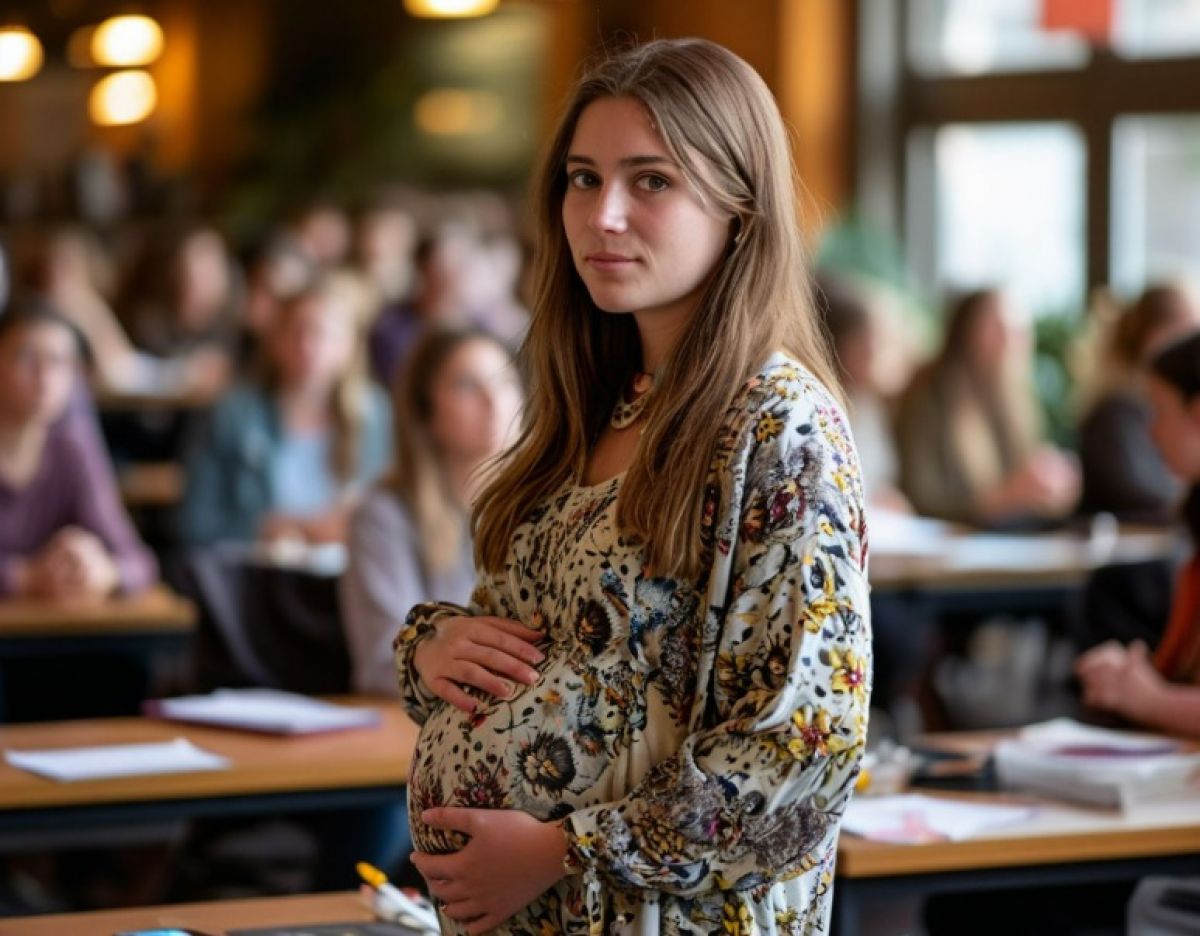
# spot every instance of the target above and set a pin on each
(286, 456)
(968, 429)
(650, 715)
(454, 408)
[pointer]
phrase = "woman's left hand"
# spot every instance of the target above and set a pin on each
(1122, 680)
(509, 861)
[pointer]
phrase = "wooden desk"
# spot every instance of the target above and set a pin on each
(214, 917)
(154, 619)
(157, 609)
(151, 484)
(268, 774)
(1061, 844)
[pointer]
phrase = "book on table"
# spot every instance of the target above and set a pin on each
(1081, 763)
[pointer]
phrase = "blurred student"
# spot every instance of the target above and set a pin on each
(64, 534)
(1123, 473)
(322, 230)
(447, 281)
(184, 294)
(67, 272)
(385, 243)
(1162, 689)
(968, 430)
(285, 456)
(852, 327)
(277, 272)
(457, 406)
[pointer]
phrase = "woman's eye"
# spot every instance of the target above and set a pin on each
(581, 179)
(653, 183)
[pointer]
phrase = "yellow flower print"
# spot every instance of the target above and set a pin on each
(849, 673)
(817, 611)
(736, 919)
(814, 735)
(769, 426)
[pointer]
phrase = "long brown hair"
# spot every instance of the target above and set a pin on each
(351, 392)
(722, 127)
(418, 477)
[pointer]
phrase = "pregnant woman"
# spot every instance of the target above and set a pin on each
(649, 718)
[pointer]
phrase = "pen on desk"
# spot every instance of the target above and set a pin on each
(424, 915)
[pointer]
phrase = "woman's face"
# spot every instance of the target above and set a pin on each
(476, 401)
(313, 342)
(1175, 428)
(37, 371)
(204, 280)
(640, 237)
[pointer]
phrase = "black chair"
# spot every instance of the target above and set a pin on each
(264, 626)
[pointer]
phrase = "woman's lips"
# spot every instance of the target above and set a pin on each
(609, 262)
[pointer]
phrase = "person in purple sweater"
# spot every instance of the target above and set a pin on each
(64, 534)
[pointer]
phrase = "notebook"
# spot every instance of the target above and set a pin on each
(264, 710)
(108, 761)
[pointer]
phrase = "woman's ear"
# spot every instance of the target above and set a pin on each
(736, 230)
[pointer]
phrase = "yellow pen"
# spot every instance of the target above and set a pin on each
(409, 911)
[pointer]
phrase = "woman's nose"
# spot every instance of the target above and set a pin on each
(610, 211)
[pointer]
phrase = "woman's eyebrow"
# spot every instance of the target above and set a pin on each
(627, 161)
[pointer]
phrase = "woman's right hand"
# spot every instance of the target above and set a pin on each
(490, 654)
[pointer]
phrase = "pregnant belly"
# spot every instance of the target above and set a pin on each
(512, 755)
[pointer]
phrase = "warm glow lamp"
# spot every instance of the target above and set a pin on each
(458, 112)
(20, 53)
(124, 41)
(450, 8)
(122, 98)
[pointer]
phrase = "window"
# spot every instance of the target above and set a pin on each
(1007, 205)
(1021, 152)
(1156, 200)
(952, 37)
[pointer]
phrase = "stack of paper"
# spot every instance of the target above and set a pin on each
(1094, 765)
(117, 760)
(265, 710)
(912, 819)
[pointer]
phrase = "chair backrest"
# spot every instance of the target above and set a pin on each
(260, 625)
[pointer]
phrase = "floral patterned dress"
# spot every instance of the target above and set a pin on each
(699, 738)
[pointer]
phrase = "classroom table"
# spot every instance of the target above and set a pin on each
(146, 485)
(269, 774)
(215, 917)
(155, 616)
(1061, 844)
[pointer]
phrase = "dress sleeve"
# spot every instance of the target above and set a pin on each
(490, 599)
(755, 793)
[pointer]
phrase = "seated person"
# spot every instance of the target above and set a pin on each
(456, 406)
(853, 327)
(64, 533)
(1123, 473)
(1162, 689)
(66, 272)
(968, 429)
(285, 456)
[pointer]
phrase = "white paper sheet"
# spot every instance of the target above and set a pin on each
(911, 819)
(265, 710)
(117, 760)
